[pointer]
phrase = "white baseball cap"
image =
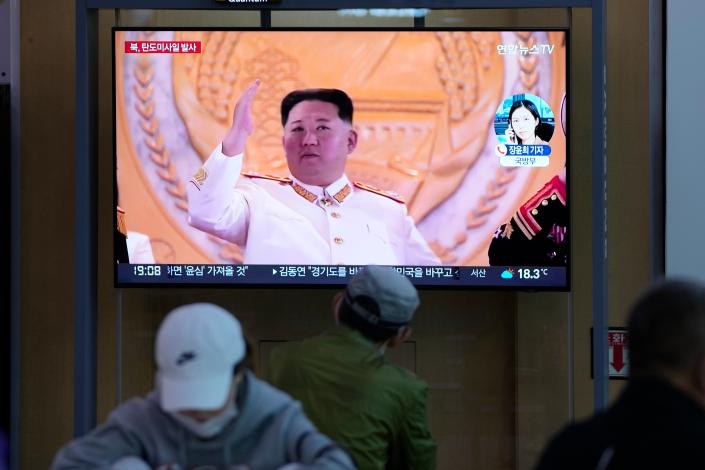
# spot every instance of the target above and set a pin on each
(196, 349)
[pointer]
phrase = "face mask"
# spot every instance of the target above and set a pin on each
(211, 427)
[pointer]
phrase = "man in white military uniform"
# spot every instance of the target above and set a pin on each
(317, 216)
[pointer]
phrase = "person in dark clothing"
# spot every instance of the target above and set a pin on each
(537, 234)
(659, 419)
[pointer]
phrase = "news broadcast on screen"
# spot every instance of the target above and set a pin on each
(298, 157)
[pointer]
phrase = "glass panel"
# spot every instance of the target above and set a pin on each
(344, 18)
(508, 18)
(193, 18)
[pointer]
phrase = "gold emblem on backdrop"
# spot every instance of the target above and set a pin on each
(421, 122)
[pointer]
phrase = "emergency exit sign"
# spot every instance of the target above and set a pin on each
(618, 352)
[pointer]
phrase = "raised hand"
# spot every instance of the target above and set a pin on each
(243, 125)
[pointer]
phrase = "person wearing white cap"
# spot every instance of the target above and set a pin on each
(352, 393)
(208, 411)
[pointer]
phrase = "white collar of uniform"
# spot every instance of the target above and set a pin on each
(321, 192)
(315, 190)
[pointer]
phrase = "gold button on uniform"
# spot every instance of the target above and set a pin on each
(534, 212)
(544, 202)
(338, 240)
(553, 197)
(335, 215)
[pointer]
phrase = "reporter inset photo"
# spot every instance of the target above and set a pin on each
(524, 119)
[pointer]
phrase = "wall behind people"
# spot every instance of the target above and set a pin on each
(47, 234)
(685, 165)
(453, 345)
(628, 149)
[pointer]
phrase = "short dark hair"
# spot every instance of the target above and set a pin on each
(667, 328)
(328, 95)
(347, 316)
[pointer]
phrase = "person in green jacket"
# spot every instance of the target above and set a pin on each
(349, 390)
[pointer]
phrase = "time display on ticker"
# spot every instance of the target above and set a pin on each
(532, 273)
(147, 270)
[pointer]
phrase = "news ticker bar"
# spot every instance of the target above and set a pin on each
(255, 274)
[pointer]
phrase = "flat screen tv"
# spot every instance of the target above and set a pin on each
(440, 152)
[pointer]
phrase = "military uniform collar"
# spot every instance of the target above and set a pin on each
(334, 193)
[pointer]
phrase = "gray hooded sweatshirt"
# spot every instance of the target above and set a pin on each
(270, 431)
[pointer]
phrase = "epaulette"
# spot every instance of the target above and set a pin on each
(253, 174)
(525, 216)
(121, 224)
(390, 194)
(554, 187)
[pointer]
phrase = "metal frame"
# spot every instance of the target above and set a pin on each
(657, 137)
(599, 204)
(332, 4)
(15, 237)
(85, 164)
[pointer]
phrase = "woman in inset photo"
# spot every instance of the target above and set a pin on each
(524, 126)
